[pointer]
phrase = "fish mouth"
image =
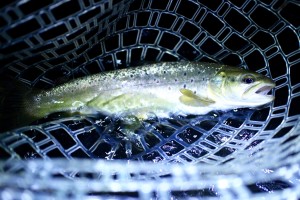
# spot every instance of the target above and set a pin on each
(265, 90)
(260, 92)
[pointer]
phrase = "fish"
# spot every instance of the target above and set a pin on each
(160, 89)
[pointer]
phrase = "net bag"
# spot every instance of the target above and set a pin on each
(239, 154)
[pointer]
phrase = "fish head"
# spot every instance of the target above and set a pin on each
(241, 87)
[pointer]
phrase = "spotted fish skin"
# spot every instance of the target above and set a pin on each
(138, 90)
(161, 89)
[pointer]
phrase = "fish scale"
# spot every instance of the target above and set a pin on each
(161, 89)
(138, 82)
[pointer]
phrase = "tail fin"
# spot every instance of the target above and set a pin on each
(12, 105)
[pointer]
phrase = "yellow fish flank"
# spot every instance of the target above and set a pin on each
(160, 89)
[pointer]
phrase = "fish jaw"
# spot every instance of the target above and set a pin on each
(257, 95)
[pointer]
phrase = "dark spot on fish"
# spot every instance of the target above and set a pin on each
(157, 81)
(37, 98)
(184, 74)
(131, 75)
(195, 92)
(184, 86)
(175, 80)
(192, 80)
(165, 72)
(232, 79)
(203, 79)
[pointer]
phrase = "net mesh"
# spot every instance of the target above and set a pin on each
(241, 154)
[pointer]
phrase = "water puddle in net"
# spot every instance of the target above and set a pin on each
(167, 137)
(128, 138)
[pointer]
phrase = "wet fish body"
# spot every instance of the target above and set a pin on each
(162, 88)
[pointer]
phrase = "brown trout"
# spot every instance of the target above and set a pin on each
(161, 89)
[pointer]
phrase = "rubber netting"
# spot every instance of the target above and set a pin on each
(240, 154)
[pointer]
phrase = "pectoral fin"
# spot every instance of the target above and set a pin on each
(190, 99)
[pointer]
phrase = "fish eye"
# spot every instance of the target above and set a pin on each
(248, 79)
(37, 99)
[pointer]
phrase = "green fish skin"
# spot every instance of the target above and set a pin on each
(163, 88)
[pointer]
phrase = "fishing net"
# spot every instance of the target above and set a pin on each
(239, 154)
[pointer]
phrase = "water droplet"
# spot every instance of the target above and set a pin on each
(119, 62)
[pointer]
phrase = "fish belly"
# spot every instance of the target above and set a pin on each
(140, 104)
(144, 102)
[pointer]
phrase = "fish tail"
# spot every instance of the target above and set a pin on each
(13, 104)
